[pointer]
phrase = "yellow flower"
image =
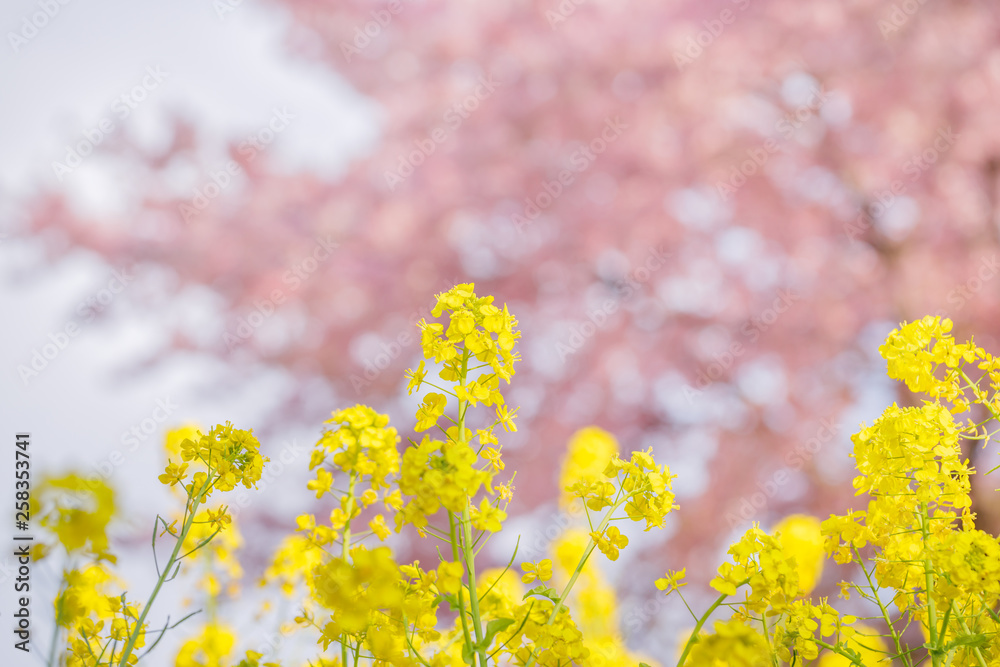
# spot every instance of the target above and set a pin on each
(322, 483)
(610, 542)
(449, 576)
(378, 527)
(487, 517)
(219, 519)
(505, 418)
(672, 581)
(416, 378)
(430, 410)
(541, 571)
(493, 456)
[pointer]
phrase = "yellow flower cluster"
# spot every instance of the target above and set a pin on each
(639, 485)
(102, 640)
(915, 541)
(230, 456)
(918, 352)
(733, 644)
(759, 560)
(211, 648)
(364, 447)
(438, 474)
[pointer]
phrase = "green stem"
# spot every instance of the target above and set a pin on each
(965, 628)
(457, 557)
(929, 585)
(56, 632)
(468, 557)
(470, 568)
(839, 651)
(134, 635)
(576, 574)
(697, 626)
(345, 550)
(767, 638)
(885, 612)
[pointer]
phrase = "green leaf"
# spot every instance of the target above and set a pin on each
(492, 628)
(467, 654)
(974, 641)
(451, 599)
(544, 591)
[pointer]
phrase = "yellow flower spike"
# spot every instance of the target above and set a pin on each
(801, 538)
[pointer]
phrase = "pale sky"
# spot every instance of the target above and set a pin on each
(58, 87)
